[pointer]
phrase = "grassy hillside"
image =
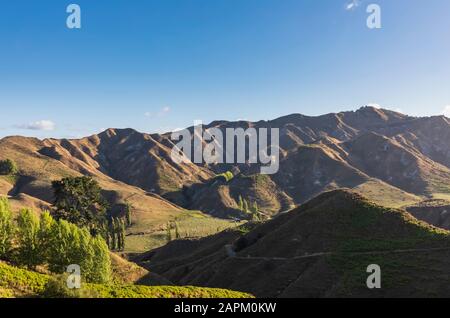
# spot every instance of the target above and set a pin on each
(321, 249)
(18, 282)
(147, 235)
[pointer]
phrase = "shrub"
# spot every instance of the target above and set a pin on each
(8, 167)
(226, 176)
(56, 287)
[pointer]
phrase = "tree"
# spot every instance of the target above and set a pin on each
(73, 245)
(241, 203)
(177, 231)
(8, 167)
(63, 242)
(255, 212)
(27, 238)
(45, 235)
(6, 229)
(112, 234)
(79, 201)
(245, 207)
(122, 234)
(169, 232)
(101, 271)
(129, 207)
(118, 233)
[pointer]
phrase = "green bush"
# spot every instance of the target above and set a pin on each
(8, 167)
(227, 176)
(56, 287)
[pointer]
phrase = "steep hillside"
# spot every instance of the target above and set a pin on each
(321, 249)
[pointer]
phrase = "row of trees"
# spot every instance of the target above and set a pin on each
(172, 231)
(31, 241)
(252, 211)
(115, 234)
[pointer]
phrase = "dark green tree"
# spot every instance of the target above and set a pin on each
(169, 232)
(112, 233)
(129, 207)
(79, 201)
(177, 230)
(8, 167)
(122, 234)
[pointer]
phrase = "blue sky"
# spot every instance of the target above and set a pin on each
(157, 65)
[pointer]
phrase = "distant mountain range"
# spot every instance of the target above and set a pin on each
(391, 158)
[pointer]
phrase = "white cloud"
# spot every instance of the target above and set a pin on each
(446, 111)
(374, 105)
(46, 125)
(352, 5)
(161, 113)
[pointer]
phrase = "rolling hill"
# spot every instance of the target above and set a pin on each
(321, 249)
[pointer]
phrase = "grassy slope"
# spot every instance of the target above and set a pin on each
(23, 283)
(149, 235)
(385, 194)
(340, 233)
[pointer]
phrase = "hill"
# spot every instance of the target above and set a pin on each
(321, 249)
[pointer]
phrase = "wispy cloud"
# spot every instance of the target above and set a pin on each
(161, 113)
(45, 125)
(352, 5)
(446, 111)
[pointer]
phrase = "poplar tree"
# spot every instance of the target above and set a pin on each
(241, 203)
(27, 239)
(6, 229)
(101, 270)
(112, 233)
(45, 235)
(128, 213)
(169, 232)
(177, 231)
(122, 233)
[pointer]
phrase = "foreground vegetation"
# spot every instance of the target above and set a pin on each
(30, 241)
(17, 282)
